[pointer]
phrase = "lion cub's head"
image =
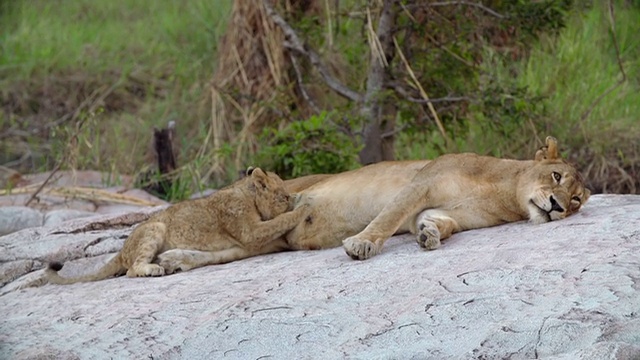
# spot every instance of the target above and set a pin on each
(553, 188)
(271, 196)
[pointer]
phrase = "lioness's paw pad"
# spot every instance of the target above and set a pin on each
(359, 249)
(428, 236)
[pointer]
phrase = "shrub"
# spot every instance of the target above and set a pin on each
(311, 146)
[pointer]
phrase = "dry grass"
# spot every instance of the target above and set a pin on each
(252, 69)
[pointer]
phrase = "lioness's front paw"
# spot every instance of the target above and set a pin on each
(359, 249)
(428, 236)
(173, 261)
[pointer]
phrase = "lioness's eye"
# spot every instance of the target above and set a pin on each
(556, 176)
(575, 198)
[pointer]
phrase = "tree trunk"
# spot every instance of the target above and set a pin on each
(375, 109)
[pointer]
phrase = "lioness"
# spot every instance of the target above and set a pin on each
(466, 191)
(245, 219)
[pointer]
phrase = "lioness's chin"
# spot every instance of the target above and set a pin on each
(537, 219)
(537, 215)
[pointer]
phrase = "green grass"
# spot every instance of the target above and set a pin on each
(571, 73)
(157, 55)
(579, 66)
(43, 36)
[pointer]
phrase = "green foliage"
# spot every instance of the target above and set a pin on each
(141, 63)
(535, 17)
(312, 146)
(170, 187)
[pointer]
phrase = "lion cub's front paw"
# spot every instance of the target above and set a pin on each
(359, 249)
(145, 270)
(428, 236)
(173, 261)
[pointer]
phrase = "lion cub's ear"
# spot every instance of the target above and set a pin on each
(550, 151)
(258, 176)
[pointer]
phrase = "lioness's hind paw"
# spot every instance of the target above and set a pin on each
(359, 249)
(428, 236)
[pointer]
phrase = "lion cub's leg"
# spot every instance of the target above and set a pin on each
(142, 247)
(262, 234)
(185, 260)
(431, 226)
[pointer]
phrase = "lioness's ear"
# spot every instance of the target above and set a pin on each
(552, 148)
(549, 151)
(249, 170)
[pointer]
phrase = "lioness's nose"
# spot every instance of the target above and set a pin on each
(554, 205)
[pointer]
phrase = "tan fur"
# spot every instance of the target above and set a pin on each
(459, 192)
(245, 219)
(343, 204)
(305, 182)
(434, 199)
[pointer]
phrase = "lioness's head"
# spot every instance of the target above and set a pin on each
(271, 197)
(553, 189)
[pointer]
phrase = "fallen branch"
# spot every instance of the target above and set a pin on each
(86, 193)
(294, 43)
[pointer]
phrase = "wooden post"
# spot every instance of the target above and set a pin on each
(161, 181)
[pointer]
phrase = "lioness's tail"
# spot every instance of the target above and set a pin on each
(112, 268)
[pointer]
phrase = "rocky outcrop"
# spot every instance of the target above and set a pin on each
(565, 290)
(67, 195)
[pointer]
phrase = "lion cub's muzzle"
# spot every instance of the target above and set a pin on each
(294, 200)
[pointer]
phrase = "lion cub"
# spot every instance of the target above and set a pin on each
(244, 219)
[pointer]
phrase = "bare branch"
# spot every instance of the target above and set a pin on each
(423, 93)
(303, 91)
(297, 45)
(405, 94)
(394, 131)
(44, 183)
(439, 100)
(462, 2)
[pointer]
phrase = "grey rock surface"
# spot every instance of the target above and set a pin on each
(15, 218)
(56, 217)
(23, 253)
(69, 195)
(563, 290)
